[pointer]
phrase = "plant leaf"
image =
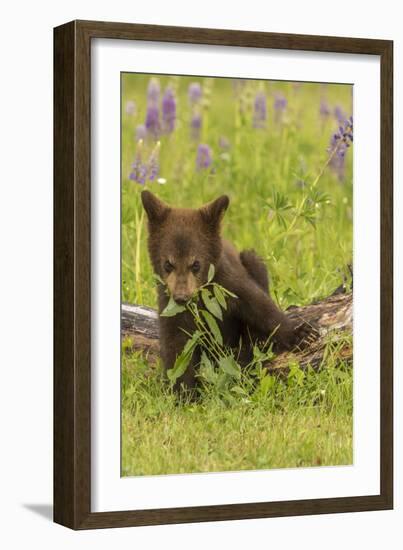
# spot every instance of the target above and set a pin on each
(211, 304)
(230, 366)
(219, 296)
(212, 324)
(227, 292)
(211, 273)
(266, 384)
(158, 279)
(180, 366)
(207, 369)
(172, 309)
(183, 359)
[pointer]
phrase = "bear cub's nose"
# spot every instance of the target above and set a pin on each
(181, 298)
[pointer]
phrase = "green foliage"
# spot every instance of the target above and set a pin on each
(300, 224)
(288, 205)
(259, 421)
(207, 335)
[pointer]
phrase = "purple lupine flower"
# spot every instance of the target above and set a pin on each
(280, 105)
(153, 92)
(139, 168)
(152, 123)
(196, 126)
(324, 109)
(153, 164)
(168, 111)
(141, 132)
(194, 92)
(204, 157)
(339, 114)
(259, 110)
(339, 143)
(130, 108)
(280, 102)
(142, 174)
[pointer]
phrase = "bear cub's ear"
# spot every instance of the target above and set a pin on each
(213, 212)
(156, 210)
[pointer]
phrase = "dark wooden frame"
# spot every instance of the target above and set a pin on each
(72, 319)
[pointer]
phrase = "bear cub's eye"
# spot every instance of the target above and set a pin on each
(195, 267)
(168, 267)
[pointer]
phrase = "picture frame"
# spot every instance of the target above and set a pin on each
(73, 270)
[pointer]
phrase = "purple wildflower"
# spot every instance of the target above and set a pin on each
(194, 93)
(153, 164)
(260, 111)
(139, 168)
(152, 123)
(339, 114)
(196, 125)
(339, 143)
(168, 111)
(280, 105)
(204, 157)
(153, 92)
(324, 109)
(141, 132)
(130, 108)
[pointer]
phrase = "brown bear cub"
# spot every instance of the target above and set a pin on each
(182, 244)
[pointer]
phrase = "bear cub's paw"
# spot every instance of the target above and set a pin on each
(296, 335)
(304, 335)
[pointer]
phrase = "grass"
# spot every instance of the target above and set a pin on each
(289, 205)
(294, 424)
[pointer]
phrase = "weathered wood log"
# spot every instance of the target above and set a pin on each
(334, 315)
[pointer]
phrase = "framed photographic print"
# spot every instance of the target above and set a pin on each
(222, 275)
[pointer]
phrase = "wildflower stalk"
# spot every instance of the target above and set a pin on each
(137, 274)
(339, 144)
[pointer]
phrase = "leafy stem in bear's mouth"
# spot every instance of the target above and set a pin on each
(206, 308)
(211, 294)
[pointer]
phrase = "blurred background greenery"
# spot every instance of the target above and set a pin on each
(268, 144)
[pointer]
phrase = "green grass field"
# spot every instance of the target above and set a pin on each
(291, 204)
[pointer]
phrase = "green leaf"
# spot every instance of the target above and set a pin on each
(191, 343)
(211, 303)
(227, 292)
(207, 369)
(180, 366)
(158, 279)
(219, 296)
(211, 273)
(296, 375)
(183, 359)
(172, 308)
(266, 385)
(230, 366)
(212, 324)
(239, 390)
(258, 355)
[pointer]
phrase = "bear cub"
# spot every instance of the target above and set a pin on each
(182, 243)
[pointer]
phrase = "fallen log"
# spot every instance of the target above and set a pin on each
(332, 316)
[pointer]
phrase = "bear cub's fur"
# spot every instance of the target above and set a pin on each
(182, 244)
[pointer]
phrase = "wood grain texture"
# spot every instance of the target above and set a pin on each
(72, 269)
